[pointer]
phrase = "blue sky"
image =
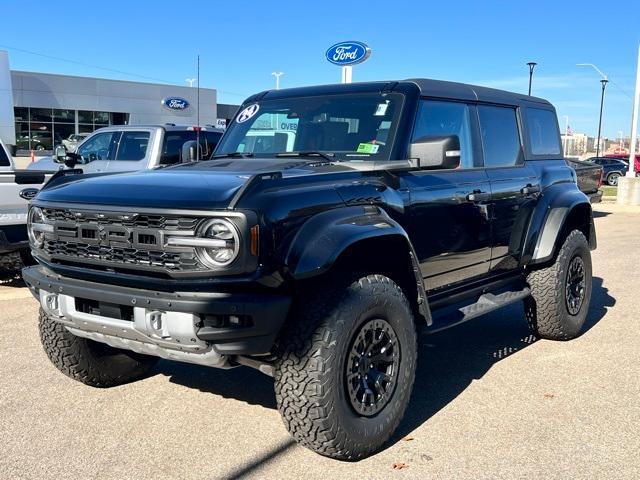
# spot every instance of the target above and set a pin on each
(241, 42)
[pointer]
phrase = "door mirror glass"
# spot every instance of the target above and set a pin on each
(436, 152)
(60, 154)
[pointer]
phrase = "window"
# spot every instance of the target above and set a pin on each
(101, 147)
(439, 119)
(347, 126)
(4, 160)
(174, 140)
(500, 136)
(133, 146)
(542, 127)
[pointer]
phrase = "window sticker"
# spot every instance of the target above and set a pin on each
(247, 113)
(368, 148)
(381, 110)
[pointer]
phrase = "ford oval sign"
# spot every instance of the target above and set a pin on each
(175, 103)
(348, 53)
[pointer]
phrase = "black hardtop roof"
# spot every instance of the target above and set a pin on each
(427, 87)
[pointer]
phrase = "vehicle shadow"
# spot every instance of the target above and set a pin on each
(600, 213)
(10, 267)
(448, 362)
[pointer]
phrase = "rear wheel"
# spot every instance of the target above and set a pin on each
(561, 292)
(346, 371)
(89, 362)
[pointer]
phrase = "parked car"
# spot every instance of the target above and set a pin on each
(71, 142)
(613, 168)
(589, 178)
(16, 189)
(400, 206)
(133, 147)
(625, 158)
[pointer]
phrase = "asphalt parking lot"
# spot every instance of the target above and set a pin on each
(491, 401)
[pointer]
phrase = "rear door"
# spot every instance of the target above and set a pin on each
(514, 184)
(136, 150)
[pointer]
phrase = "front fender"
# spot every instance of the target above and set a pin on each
(548, 220)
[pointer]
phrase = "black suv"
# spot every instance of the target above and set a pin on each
(332, 224)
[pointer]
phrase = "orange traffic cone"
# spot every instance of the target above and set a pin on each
(33, 156)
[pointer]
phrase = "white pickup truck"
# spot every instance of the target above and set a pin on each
(17, 187)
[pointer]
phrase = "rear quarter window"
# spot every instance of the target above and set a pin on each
(542, 130)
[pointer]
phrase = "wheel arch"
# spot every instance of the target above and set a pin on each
(351, 239)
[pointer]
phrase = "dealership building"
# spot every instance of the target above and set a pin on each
(39, 110)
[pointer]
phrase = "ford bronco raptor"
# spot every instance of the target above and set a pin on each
(331, 224)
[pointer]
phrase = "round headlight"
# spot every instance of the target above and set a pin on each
(227, 246)
(36, 237)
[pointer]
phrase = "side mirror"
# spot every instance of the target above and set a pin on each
(436, 152)
(189, 151)
(60, 154)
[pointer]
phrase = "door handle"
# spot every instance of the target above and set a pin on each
(529, 189)
(478, 196)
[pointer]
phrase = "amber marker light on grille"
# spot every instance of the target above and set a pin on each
(255, 238)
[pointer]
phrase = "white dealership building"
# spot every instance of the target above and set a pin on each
(38, 110)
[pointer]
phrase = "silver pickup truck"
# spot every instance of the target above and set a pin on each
(133, 147)
(17, 187)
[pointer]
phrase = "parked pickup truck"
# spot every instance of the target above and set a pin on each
(399, 206)
(16, 188)
(589, 177)
(133, 147)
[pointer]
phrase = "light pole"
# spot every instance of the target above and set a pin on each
(277, 75)
(532, 65)
(633, 141)
(604, 82)
(566, 135)
(190, 81)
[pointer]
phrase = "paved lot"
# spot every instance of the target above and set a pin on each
(490, 402)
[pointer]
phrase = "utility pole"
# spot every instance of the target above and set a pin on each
(277, 75)
(532, 65)
(633, 142)
(604, 82)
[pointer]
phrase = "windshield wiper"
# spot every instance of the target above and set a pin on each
(308, 153)
(231, 155)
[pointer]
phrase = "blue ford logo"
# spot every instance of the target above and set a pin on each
(175, 103)
(348, 53)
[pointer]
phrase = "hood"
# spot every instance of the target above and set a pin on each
(203, 185)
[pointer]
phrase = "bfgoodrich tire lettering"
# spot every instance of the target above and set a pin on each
(89, 362)
(553, 311)
(310, 377)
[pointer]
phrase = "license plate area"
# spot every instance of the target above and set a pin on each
(104, 309)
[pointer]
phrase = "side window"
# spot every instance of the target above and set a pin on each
(99, 147)
(4, 159)
(542, 127)
(500, 136)
(438, 119)
(133, 146)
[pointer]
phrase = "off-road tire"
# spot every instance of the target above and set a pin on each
(546, 309)
(310, 375)
(92, 363)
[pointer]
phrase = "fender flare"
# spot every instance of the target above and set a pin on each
(554, 207)
(325, 236)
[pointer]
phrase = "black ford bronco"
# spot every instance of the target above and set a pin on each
(331, 225)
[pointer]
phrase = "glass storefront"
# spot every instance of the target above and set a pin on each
(42, 129)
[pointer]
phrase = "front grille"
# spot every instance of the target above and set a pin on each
(119, 241)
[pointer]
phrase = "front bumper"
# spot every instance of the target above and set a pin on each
(177, 321)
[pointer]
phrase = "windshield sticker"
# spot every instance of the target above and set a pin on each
(368, 148)
(381, 110)
(247, 113)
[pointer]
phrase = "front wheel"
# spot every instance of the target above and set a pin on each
(612, 179)
(561, 292)
(347, 367)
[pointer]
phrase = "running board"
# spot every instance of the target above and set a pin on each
(486, 303)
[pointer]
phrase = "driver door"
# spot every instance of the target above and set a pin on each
(97, 151)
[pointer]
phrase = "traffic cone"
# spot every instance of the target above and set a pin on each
(33, 156)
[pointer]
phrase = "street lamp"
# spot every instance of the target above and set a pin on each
(604, 82)
(532, 65)
(190, 81)
(277, 75)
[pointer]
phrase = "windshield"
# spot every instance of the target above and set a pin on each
(345, 127)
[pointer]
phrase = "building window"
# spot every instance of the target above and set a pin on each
(42, 129)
